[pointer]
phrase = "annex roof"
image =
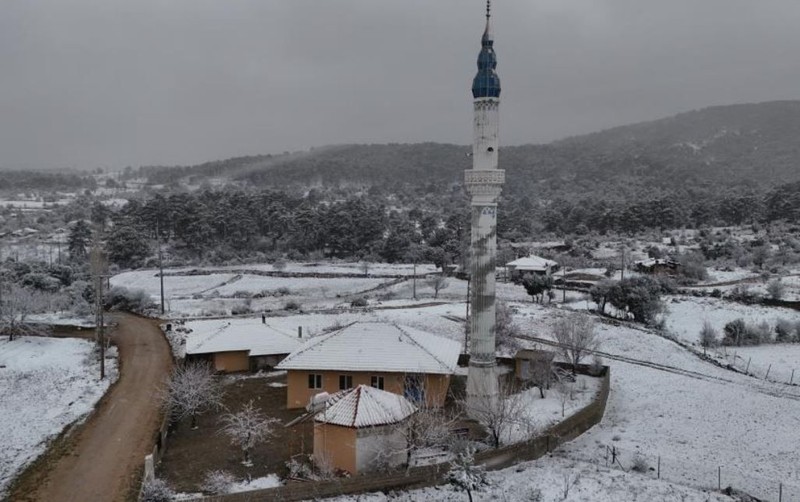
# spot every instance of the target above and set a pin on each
(376, 346)
(532, 262)
(365, 406)
(229, 335)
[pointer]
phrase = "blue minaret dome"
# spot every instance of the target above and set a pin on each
(486, 83)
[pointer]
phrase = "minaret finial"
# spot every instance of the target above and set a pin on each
(488, 8)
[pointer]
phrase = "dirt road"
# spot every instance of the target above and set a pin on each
(107, 452)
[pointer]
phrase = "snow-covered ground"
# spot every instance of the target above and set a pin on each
(218, 293)
(45, 385)
(537, 414)
(777, 362)
(64, 319)
(546, 479)
(695, 421)
(685, 315)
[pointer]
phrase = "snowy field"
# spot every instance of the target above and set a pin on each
(777, 362)
(694, 415)
(686, 315)
(218, 293)
(545, 478)
(45, 385)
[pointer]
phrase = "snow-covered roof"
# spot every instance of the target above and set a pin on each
(365, 406)
(532, 262)
(238, 334)
(652, 262)
(376, 346)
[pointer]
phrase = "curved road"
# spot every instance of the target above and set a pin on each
(108, 450)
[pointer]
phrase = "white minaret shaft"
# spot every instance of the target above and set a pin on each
(483, 183)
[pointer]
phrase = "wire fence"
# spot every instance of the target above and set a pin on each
(706, 476)
(740, 360)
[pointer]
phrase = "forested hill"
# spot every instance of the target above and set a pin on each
(726, 145)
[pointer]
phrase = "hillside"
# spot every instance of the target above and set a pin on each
(750, 144)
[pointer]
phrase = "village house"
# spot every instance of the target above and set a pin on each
(398, 359)
(657, 266)
(239, 345)
(531, 264)
(356, 431)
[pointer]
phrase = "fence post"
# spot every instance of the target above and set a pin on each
(747, 370)
(719, 478)
(659, 467)
(792, 378)
(780, 492)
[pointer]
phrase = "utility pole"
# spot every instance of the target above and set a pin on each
(622, 269)
(97, 263)
(160, 264)
(414, 294)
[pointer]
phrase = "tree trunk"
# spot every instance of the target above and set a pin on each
(469, 494)
(194, 421)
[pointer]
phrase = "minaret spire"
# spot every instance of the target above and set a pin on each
(483, 183)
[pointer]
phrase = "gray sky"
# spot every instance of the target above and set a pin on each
(88, 83)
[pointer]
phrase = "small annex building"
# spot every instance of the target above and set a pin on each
(356, 431)
(531, 265)
(398, 359)
(232, 345)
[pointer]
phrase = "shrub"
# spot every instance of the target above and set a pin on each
(359, 302)
(708, 335)
(784, 331)
(292, 305)
(738, 333)
(762, 331)
(217, 482)
(639, 464)
(776, 289)
(242, 294)
(283, 291)
(279, 265)
(131, 300)
(241, 310)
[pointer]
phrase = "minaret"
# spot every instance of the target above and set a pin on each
(483, 183)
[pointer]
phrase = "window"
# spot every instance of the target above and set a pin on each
(345, 382)
(377, 382)
(314, 381)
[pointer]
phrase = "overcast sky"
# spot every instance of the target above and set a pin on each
(108, 83)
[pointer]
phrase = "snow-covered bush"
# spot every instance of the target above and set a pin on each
(131, 300)
(157, 490)
(776, 289)
(708, 335)
(784, 331)
(217, 482)
(465, 475)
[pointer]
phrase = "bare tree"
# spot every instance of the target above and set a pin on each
(498, 415)
(708, 335)
(247, 428)
(576, 338)
(191, 390)
(438, 283)
(506, 332)
(16, 306)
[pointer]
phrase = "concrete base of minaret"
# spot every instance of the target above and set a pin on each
(482, 390)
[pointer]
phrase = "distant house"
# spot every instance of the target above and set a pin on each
(657, 266)
(356, 430)
(531, 265)
(398, 359)
(239, 344)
